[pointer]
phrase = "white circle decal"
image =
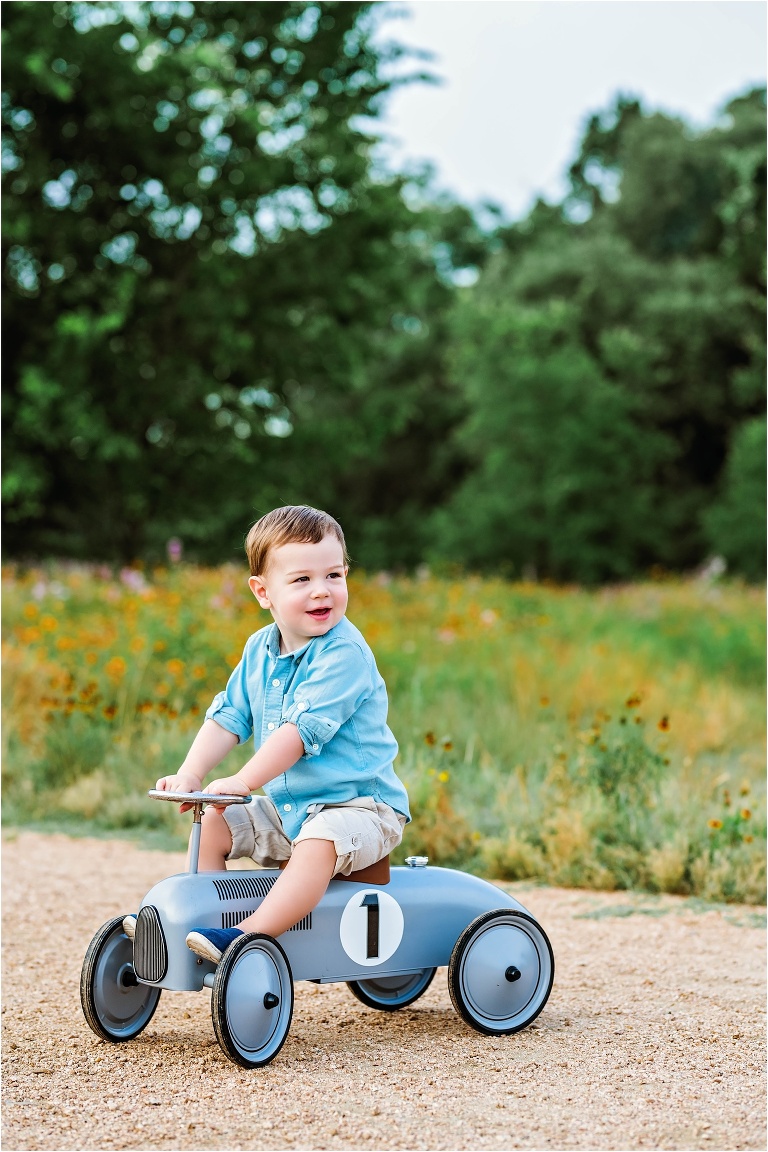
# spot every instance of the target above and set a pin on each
(371, 927)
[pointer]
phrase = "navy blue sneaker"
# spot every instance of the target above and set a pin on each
(211, 943)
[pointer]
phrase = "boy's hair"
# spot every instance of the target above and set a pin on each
(293, 524)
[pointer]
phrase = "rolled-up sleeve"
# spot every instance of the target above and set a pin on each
(338, 682)
(231, 709)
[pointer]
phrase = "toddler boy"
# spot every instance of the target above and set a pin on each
(308, 690)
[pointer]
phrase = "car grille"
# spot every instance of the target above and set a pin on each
(150, 952)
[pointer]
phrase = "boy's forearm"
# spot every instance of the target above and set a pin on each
(277, 754)
(208, 749)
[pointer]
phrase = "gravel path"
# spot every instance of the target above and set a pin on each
(652, 1038)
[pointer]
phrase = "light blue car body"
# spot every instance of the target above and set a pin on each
(437, 904)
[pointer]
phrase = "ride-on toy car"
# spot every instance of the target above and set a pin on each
(383, 933)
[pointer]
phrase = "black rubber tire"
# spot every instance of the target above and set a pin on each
(390, 993)
(250, 1031)
(494, 944)
(115, 1005)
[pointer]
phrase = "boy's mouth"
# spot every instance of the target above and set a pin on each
(320, 613)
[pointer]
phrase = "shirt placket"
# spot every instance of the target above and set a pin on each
(274, 693)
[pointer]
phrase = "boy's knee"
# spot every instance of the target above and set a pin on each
(215, 828)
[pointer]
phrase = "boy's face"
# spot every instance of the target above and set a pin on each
(305, 589)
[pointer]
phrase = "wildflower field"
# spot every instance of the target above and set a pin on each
(607, 739)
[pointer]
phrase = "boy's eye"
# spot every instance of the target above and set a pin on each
(299, 579)
(337, 575)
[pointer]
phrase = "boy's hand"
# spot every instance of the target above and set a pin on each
(180, 782)
(228, 786)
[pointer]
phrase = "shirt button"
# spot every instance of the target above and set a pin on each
(315, 747)
(275, 683)
(270, 726)
(286, 807)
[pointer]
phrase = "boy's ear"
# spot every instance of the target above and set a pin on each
(259, 589)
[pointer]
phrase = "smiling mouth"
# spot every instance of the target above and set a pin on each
(320, 613)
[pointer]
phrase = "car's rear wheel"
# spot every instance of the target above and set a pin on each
(501, 972)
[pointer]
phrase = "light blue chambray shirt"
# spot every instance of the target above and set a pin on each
(332, 691)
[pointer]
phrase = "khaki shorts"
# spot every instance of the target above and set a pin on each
(361, 830)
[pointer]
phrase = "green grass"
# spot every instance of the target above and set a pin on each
(609, 739)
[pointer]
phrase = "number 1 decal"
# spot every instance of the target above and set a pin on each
(371, 927)
(371, 902)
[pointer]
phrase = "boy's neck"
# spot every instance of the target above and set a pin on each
(285, 651)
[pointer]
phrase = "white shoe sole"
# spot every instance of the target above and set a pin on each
(202, 947)
(129, 926)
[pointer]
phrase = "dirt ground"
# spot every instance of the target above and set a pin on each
(653, 1036)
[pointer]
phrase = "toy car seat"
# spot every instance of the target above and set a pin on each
(377, 873)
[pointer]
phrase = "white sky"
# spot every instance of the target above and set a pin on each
(521, 77)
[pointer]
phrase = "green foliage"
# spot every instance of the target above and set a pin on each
(203, 311)
(609, 356)
(625, 772)
(546, 429)
(736, 523)
(216, 301)
(609, 739)
(438, 830)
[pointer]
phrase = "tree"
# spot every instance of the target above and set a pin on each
(204, 314)
(650, 259)
(547, 432)
(735, 523)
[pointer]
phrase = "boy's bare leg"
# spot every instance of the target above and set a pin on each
(297, 890)
(215, 842)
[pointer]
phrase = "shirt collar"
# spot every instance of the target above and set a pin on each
(273, 646)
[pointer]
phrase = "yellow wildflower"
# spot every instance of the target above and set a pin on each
(715, 823)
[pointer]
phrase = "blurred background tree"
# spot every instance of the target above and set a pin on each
(611, 360)
(216, 301)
